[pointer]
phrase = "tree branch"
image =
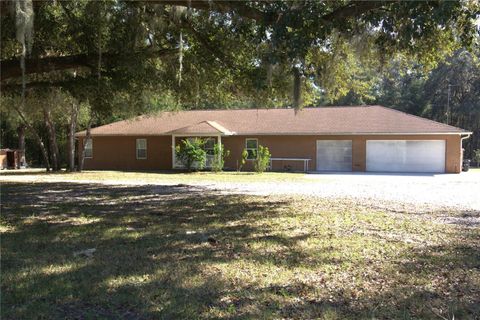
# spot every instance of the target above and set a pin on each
(353, 9)
(209, 45)
(15, 87)
(350, 10)
(222, 6)
(11, 68)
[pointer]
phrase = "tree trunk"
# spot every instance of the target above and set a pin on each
(82, 155)
(52, 137)
(37, 138)
(72, 126)
(21, 144)
(297, 89)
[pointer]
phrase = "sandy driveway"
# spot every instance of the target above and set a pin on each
(435, 191)
(420, 191)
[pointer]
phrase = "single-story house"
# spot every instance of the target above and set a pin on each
(357, 138)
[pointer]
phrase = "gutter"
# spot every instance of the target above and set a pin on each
(81, 134)
(467, 135)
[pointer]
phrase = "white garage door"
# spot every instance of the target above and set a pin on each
(406, 155)
(334, 155)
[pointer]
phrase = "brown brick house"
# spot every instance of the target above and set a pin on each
(360, 138)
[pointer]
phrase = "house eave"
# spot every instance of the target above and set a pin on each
(270, 134)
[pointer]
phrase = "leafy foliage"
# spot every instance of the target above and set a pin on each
(476, 156)
(243, 159)
(262, 161)
(219, 155)
(191, 153)
(232, 53)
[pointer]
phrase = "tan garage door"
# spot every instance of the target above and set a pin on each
(334, 155)
(406, 155)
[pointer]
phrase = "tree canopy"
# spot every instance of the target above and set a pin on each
(213, 52)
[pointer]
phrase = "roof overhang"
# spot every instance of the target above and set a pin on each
(82, 134)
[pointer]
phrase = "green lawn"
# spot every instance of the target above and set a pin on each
(166, 176)
(178, 252)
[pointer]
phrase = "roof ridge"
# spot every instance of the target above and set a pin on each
(258, 109)
(161, 112)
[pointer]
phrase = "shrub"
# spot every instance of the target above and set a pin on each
(243, 159)
(219, 155)
(263, 159)
(476, 156)
(191, 154)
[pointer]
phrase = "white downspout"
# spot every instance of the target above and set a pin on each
(461, 148)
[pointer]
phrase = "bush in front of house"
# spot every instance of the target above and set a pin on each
(243, 160)
(219, 155)
(262, 161)
(191, 154)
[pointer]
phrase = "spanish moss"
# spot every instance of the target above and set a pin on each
(24, 33)
(180, 59)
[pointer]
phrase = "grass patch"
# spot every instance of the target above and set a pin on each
(158, 176)
(164, 252)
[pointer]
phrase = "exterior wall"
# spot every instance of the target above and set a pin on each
(279, 146)
(305, 147)
(453, 161)
(119, 152)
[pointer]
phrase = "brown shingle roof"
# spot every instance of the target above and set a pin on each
(321, 120)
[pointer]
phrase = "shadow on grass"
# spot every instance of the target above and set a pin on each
(28, 172)
(158, 250)
(39, 171)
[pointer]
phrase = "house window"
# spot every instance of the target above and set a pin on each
(209, 146)
(141, 148)
(89, 148)
(251, 145)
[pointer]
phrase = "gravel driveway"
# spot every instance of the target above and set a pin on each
(424, 192)
(441, 191)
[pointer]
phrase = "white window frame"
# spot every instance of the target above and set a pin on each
(247, 148)
(137, 148)
(89, 148)
(212, 148)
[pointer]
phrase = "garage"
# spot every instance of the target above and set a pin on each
(334, 155)
(406, 156)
